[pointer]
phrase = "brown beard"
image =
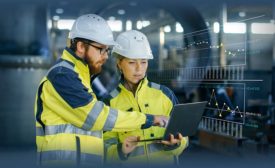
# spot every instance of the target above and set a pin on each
(92, 69)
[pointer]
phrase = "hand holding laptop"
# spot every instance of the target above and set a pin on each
(129, 144)
(173, 140)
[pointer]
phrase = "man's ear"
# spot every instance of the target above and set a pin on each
(80, 48)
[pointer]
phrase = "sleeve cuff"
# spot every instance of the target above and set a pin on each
(121, 155)
(149, 121)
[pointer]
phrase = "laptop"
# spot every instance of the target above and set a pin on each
(184, 119)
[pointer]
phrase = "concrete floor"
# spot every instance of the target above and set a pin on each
(17, 157)
(200, 157)
(194, 156)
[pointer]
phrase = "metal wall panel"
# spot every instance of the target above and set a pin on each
(17, 89)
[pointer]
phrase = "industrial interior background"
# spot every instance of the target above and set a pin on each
(219, 51)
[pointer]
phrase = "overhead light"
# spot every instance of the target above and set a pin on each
(230, 27)
(59, 11)
(263, 28)
(234, 27)
(179, 28)
(216, 27)
(64, 24)
(242, 14)
(55, 17)
(141, 24)
(145, 23)
(49, 24)
(116, 25)
(121, 11)
(167, 29)
(112, 18)
(128, 25)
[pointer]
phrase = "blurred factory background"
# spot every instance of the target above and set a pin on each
(219, 51)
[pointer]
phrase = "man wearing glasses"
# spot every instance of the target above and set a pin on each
(69, 118)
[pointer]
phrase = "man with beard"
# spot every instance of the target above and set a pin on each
(69, 118)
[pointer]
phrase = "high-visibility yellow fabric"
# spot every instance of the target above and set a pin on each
(150, 98)
(70, 119)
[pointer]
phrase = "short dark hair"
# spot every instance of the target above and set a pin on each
(74, 41)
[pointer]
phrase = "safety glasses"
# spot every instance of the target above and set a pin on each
(102, 51)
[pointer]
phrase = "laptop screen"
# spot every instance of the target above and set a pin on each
(184, 119)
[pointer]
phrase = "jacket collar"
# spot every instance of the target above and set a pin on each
(142, 84)
(70, 56)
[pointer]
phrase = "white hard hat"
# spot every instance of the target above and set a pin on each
(94, 28)
(133, 44)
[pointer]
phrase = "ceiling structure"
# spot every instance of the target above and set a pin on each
(73, 8)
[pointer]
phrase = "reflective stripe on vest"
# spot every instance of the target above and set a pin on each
(95, 112)
(69, 155)
(93, 115)
(111, 120)
(65, 128)
(61, 64)
(114, 93)
(155, 85)
(151, 149)
(111, 141)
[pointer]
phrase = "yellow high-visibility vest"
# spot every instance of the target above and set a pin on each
(70, 119)
(150, 98)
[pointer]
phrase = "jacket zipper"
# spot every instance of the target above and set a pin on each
(145, 144)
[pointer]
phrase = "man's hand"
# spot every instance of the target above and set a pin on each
(161, 121)
(173, 140)
(129, 144)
